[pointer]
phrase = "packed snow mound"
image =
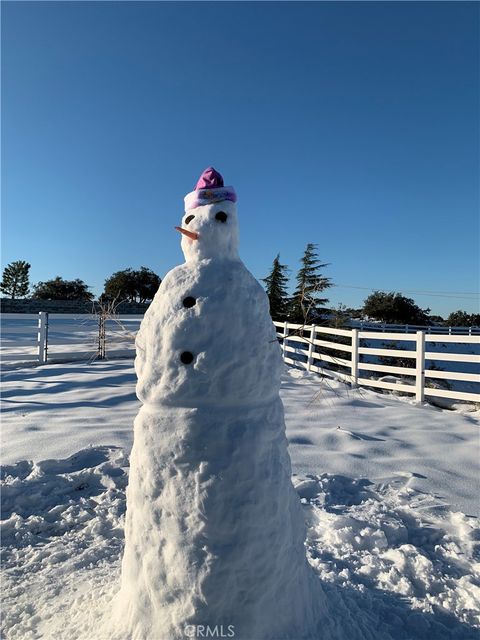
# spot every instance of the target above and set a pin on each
(224, 540)
(398, 541)
(406, 567)
(62, 535)
(234, 361)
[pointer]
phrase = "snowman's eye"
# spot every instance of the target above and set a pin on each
(189, 219)
(221, 216)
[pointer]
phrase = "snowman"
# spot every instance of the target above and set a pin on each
(214, 534)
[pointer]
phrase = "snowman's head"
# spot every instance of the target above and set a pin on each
(209, 226)
(210, 231)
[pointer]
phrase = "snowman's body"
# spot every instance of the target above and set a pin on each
(214, 531)
(228, 330)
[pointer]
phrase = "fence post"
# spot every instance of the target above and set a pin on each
(284, 344)
(42, 337)
(310, 347)
(354, 363)
(420, 367)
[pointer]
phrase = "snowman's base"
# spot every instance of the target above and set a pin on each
(214, 529)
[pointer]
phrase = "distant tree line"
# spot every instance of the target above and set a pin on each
(132, 286)
(394, 308)
(60, 289)
(128, 285)
(307, 306)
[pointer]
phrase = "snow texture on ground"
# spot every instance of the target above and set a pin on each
(389, 499)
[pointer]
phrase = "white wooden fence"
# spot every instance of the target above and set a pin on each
(308, 346)
(411, 328)
(356, 356)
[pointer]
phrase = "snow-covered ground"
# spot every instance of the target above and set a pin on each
(70, 337)
(390, 493)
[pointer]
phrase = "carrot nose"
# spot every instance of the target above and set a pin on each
(190, 234)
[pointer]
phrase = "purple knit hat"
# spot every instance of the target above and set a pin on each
(208, 190)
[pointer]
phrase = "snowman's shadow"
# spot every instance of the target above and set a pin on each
(55, 390)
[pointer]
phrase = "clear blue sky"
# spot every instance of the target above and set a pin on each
(351, 125)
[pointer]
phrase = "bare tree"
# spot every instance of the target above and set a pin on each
(107, 309)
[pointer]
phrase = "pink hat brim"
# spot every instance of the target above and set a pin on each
(202, 197)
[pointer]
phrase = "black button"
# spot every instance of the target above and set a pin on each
(189, 302)
(186, 357)
(189, 219)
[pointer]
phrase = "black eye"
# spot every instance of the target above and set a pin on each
(189, 219)
(221, 216)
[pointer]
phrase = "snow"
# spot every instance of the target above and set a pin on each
(55, 410)
(214, 530)
(218, 240)
(365, 434)
(403, 554)
(220, 530)
(228, 330)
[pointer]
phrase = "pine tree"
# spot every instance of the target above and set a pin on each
(275, 286)
(15, 280)
(306, 304)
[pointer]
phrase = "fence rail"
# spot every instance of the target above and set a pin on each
(412, 328)
(375, 359)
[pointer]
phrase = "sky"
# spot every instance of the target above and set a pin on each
(354, 126)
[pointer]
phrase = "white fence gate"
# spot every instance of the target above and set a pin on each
(356, 357)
